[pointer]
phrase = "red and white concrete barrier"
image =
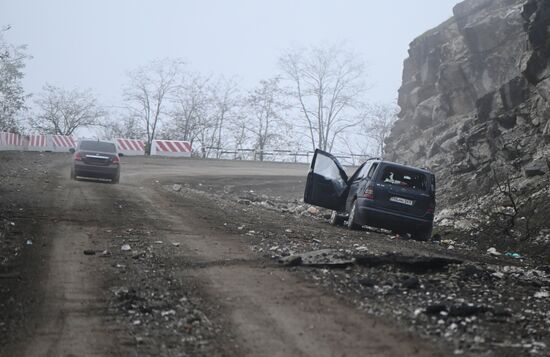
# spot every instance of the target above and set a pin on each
(11, 141)
(38, 142)
(62, 143)
(173, 148)
(130, 147)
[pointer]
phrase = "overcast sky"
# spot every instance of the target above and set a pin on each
(91, 44)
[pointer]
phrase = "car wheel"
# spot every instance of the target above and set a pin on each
(336, 219)
(352, 217)
(423, 235)
(73, 176)
(115, 179)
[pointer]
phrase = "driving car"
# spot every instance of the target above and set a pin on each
(96, 159)
(380, 194)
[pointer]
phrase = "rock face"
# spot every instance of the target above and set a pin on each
(475, 95)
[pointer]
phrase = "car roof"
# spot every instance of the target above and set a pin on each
(407, 167)
(96, 141)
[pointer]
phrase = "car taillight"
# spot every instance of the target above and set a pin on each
(369, 193)
(77, 156)
(116, 160)
(431, 207)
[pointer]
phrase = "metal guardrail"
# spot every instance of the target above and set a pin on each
(277, 155)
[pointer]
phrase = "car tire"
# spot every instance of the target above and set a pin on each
(73, 176)
(115, 179)
(336, 219)
(423, 235)
(351, 218)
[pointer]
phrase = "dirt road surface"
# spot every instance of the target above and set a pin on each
(178, 259)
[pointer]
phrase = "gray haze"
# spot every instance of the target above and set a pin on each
(91, 44)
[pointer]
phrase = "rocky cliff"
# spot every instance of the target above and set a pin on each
(476, 95)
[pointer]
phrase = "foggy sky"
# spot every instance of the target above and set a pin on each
(92, 44)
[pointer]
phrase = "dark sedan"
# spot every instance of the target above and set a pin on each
(96, 159)
(379, 194)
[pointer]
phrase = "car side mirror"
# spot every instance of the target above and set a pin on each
(72, 150)
(120, 154)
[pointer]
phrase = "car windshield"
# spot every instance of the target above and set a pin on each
(404, 178)
(99, 146)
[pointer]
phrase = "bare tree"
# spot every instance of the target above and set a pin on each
(12, 96)
(124, 126)
(377, 122)
(264, 105)
(327, 83)
(191, 99)
(222, 108)
(63, 111)
(148, 90)
(225, 97)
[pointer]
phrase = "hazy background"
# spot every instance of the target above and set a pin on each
(91, 44)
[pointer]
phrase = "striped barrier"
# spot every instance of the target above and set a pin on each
(38, 142)
(11, 141)
(131, 147)
(62, 143)
(173, 148)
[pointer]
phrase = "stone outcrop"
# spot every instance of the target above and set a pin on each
(476, 94)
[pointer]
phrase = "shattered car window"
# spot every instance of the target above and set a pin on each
(404, 178)
(325, 167)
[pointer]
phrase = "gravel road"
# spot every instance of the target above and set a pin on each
(182, 258)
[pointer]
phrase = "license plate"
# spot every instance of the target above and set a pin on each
(402, 200)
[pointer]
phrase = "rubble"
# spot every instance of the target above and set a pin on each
(480, 299)
(320, 258)
(414, 263)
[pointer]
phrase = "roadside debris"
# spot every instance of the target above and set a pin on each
(125, 247)
(332, 258)
(493, 251)
(329, 258)
(89, 252)
(313, 210)
(415, 263)
(513, 255)
(176, 187)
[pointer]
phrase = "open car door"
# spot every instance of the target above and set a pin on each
(327, 182)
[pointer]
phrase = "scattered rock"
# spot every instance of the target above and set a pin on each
(368, 282)
(324, 258)
(168, 313)
(465, 310)
(176, 187)
(411, 282)
(125, 247)
(414, 263)
(536, 168)
(291, 261)
(313, 210)
(89, 252)
(493, 251)
(435, 309)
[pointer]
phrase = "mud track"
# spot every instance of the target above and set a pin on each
(214, 295)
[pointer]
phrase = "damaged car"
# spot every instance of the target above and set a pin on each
(379, 194)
